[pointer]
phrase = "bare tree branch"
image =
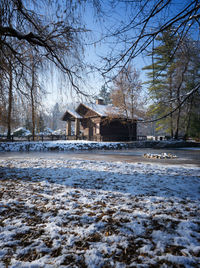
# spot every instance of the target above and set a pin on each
(194, 90)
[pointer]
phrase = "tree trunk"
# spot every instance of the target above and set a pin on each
(189, 119)
(10, 101)
(171, 124)
(33, 102)
(177, 124)
(171, 108)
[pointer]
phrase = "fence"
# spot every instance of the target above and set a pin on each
(51, 137)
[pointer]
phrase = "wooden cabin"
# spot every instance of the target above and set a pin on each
(98, 122)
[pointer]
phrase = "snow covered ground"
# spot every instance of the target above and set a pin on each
(84, 213)
(77, 145)
(59, 145)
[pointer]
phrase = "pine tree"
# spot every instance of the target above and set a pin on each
(173, 74)
(40, 123)
(55, 116)
(160, 85)
(191, 112)
(104, 94)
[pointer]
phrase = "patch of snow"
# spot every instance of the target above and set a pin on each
(101, 110)
(59, 132)
(74, 113)
(47, 131)
(21, 131)
(160, 156)
(70, 213)
(58, 145)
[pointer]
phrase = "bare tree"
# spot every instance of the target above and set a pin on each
(10, 99)
(8, 66)
(32, 93)
(47, 30)
(50, 27)
(126, 97)
(32, 87)
(54, 30)
(146, 19)
(135, 34)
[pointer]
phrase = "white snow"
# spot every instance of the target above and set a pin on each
(101, 110)
(59, 145)
(47, 131)
(59, 132)
(83, 213)
(73, 113)
(109, 110)
(21, 131)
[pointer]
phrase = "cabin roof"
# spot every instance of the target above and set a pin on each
(71, 112)
(74, 114)
(108, 110)
(101, 110)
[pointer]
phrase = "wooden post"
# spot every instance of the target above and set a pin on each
(77, 127)
(68, 128)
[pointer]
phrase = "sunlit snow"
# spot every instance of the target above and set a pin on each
(83, 213)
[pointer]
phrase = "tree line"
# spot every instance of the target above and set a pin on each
(36, 35)
(33, 36)
(173, 102)
(171, 85)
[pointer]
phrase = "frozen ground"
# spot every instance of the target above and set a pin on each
(84, 213)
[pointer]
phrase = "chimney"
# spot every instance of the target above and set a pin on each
(99, 102)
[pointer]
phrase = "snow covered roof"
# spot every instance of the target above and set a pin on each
(108, 110)
(100, 109)
(73, 113)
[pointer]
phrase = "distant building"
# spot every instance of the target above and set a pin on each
(97, 122)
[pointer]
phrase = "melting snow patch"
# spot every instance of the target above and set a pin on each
(160, 156)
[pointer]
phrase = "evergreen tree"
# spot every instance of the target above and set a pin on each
(160, 85)
(104, 94)
(191, 112)
(40, 123)
(55, 116)
(172, 74)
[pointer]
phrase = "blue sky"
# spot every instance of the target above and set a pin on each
(111, 20)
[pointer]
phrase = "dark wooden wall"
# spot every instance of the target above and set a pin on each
(117, 130)
(110, 130)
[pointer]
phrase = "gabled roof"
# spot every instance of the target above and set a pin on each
(101, 110)
(74, 114)
(108, 110)
(71, 112)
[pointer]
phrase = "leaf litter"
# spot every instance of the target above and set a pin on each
(82, 213)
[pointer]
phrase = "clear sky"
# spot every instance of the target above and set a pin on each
(96, 49)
